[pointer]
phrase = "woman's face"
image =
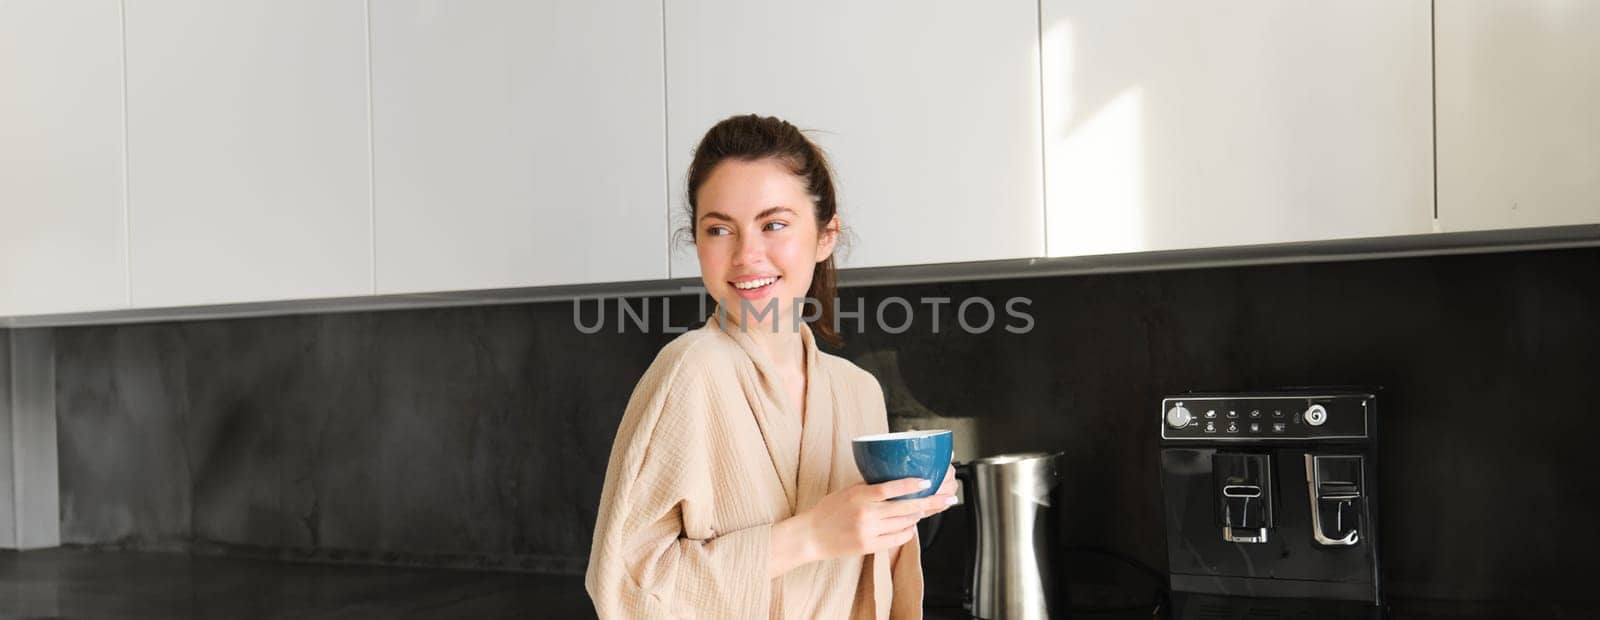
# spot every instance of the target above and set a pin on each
(757, 238)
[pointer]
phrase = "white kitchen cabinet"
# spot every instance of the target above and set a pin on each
(1174, 124)
(248, 159)
(517, 144)
(929, 112)
(1519, 113)
(63, 234)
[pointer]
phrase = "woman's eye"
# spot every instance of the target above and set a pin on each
(771, 226)
(716, 231)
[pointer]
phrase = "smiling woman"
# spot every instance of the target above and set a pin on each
(732, 490)
(764, 219)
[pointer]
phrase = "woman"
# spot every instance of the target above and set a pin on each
(731, 491)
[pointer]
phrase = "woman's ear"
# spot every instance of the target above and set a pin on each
(828, 239)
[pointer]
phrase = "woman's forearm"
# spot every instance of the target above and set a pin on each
(788, 548)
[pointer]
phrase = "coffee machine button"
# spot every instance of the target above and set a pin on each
(1255, 427)
(1255, 413)
(1233, 427)
(1211, 414)
(1233, 414)
(1178, 417)
(1211, 427)
(1315, 416)
(1277, 413)
(1277, 427)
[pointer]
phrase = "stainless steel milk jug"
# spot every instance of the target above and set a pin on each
(1016, 572)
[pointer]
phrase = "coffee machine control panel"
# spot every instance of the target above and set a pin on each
(1285, 417)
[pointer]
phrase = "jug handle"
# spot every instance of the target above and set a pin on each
(964, 476)
(969, 501)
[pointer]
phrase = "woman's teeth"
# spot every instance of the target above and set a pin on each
(753, 284)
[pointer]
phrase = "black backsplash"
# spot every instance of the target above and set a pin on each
(480, 435)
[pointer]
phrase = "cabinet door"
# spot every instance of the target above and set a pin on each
(517, 143)
(63, 232)
(247, 150)
(929, 112)
(1519, 113)
(1175, 124)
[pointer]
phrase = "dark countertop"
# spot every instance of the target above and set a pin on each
(79, 583)
(76, 583)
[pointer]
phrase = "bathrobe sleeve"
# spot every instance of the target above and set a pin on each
(642, 563)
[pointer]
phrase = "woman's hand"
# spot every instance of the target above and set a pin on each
(946, 489)
(858, 520)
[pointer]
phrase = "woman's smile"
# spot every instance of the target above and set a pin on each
(754, 287)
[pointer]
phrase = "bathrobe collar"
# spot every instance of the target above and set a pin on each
(803, 445)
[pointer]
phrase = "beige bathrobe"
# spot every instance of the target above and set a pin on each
(706, 459)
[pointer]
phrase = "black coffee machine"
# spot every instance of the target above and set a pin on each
(1270, 504)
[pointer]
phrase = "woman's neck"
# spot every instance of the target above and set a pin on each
(785, 347)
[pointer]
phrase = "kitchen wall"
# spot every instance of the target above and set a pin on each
(479, 436)
(8, 509)
(29, 508)
(470, 436)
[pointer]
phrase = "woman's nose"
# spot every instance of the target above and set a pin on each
(750, 249)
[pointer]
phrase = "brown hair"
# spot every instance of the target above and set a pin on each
(752, 138)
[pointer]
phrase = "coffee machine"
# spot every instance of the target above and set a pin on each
(1271, 503)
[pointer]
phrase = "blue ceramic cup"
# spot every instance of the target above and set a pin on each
(907, 454)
